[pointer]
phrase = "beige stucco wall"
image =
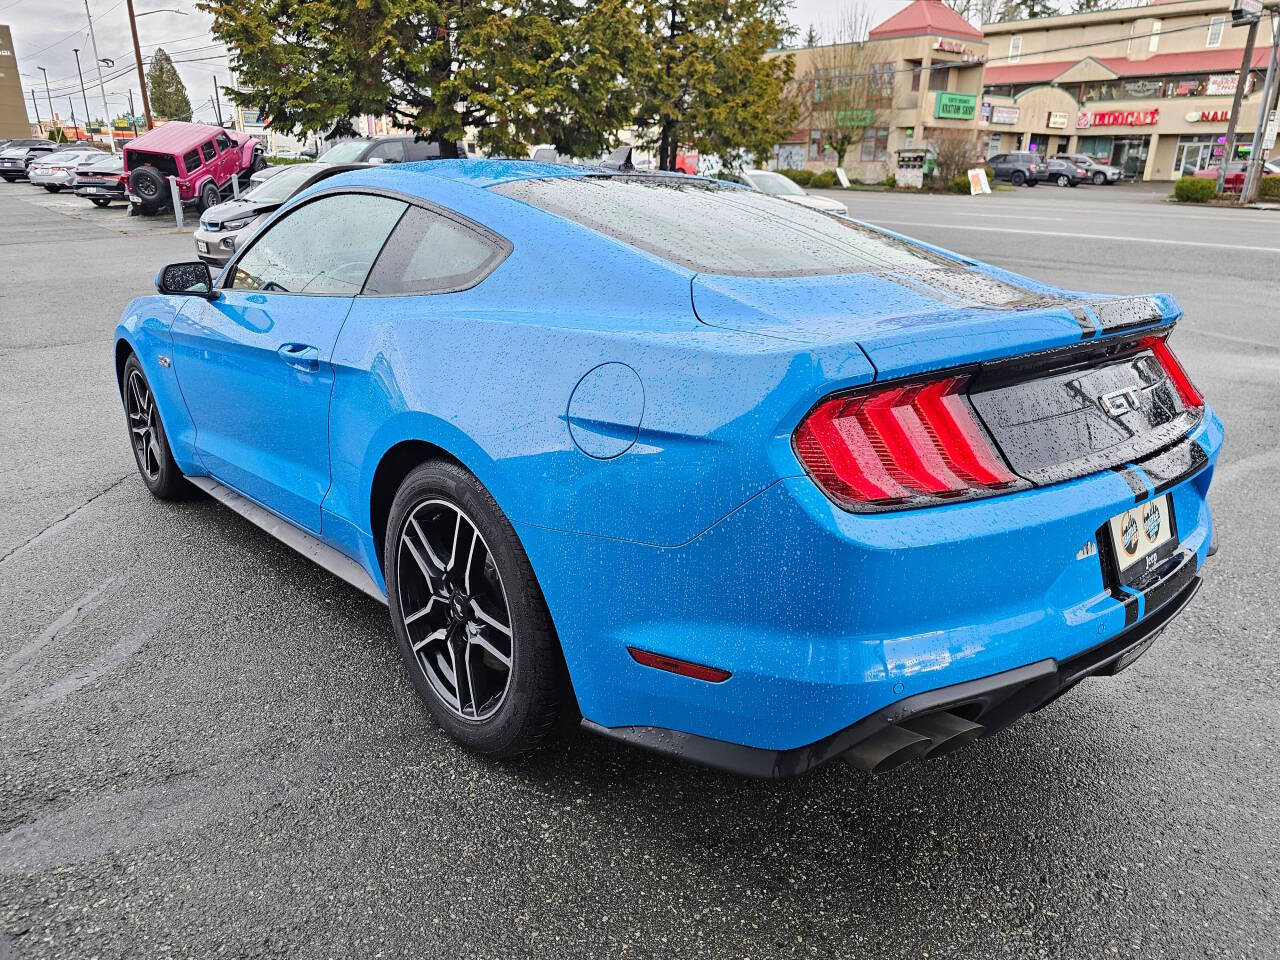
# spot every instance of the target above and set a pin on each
(13, 109)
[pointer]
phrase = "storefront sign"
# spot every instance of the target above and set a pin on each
(955, 106)
(986, 110)
(955, 46)
(1208, 116)
(854, 118)
(1221, 85)
(1245, 12)
(1004, 114)
(1057, 120)
(1117, 118)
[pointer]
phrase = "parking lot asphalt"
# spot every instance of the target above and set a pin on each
(208, 746)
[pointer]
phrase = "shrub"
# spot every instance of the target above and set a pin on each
(1194, 190)
(802, 177)
(824, 180)
(285, 161)
(959, 183)
(1269, 188)
(891, 181)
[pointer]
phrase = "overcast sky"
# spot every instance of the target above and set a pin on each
(46, 31)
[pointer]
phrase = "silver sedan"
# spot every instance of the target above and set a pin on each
(58, 170)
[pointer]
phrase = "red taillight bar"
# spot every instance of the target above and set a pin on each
(1191, 396)
(908, 444)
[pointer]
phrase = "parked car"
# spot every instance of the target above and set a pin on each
(1234, 180)
(102, 180)
(738, 481)
(223, 228)
(17, 157)
(57, 171)
(203, 158)
(1099, 173)
(401, 148)
(1065, 173)
(1018, 168)
(776, 185)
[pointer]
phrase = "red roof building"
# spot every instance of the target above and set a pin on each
(926, 18)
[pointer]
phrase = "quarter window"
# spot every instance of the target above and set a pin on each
(1215, 31)
(323, 247)
(191, 161)
(428, 253)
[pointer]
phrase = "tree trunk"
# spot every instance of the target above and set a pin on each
(667, 146)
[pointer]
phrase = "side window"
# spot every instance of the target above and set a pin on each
(223, 142)
(391, 151)
(429, 253)
(207, 151)
(323, 247)
(191, 161)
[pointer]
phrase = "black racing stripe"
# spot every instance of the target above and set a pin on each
(1115, 315)
(1130, 601)
(1160, 592)
(1171, 466)
(1133, 480)
(1087, 328)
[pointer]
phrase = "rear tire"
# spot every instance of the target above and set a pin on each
(1032, 183)
(148, 185)
(1017, 178)
(147, 438)
(470, 621)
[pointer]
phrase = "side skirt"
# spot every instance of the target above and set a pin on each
(311, 547)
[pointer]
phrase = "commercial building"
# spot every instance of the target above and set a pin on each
(13, 108)
(1146, 88)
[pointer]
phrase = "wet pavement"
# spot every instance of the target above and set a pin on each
(208, 746)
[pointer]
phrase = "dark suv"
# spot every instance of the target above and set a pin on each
(16, 157)
(392, 149)
(1019, 168)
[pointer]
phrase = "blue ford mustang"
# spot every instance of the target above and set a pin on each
(737, 480)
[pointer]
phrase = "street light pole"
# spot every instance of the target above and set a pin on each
(47, 95)
(137, 55)
(102, 87)
(83, 95)
(39, 122)
(1229, 148)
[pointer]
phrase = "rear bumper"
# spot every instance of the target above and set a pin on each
(993, 702)
(824, 618)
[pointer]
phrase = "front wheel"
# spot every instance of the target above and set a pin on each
(470, 620)
(52, 188)
(209, 196)
(1064, 180)
(1099, 178)
(147, 437)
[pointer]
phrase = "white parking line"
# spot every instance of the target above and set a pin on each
(1130, 238)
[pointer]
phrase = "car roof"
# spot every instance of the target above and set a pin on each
(178, 136)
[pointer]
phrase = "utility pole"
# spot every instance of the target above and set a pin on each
(75, 127)
(102, 87)
(47, 95)
(1253, 172)
(1229, 148)
(132, 122)
(39, 122)
(83, 95)
(217, 100)
(137, 55)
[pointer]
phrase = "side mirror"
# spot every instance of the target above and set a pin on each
(191, 279)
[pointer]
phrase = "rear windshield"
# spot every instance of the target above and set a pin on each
(720, 230)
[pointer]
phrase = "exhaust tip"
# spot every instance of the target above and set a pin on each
(945, 732)
(891, 747)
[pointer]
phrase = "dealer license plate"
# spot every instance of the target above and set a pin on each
(1142, 537)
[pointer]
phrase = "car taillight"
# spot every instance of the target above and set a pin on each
(1190, 394)
(911, 445)
(1032, 167)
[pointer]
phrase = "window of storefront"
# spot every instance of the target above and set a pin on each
(1015, 48)
(1216, 25)
(1097, 147)
(1154, 42)
(815, 144)
(915, 77)
(939, 77)
(875, 145)
(1193, 154)
(882, 76)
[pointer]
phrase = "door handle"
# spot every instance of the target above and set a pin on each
(300, 356)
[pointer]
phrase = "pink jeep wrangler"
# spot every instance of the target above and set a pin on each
(202, 157)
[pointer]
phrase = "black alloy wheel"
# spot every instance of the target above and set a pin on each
(52, 187)
(147, 437)
(148, 185)
(1017, 178)
(470, 621)
(209, 196)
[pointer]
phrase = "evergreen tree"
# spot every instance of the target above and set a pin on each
(811, 38)
(703, 79)
(168, 94)
(1028, 10)
(516, 71)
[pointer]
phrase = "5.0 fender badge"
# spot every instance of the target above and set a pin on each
(163, 360)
